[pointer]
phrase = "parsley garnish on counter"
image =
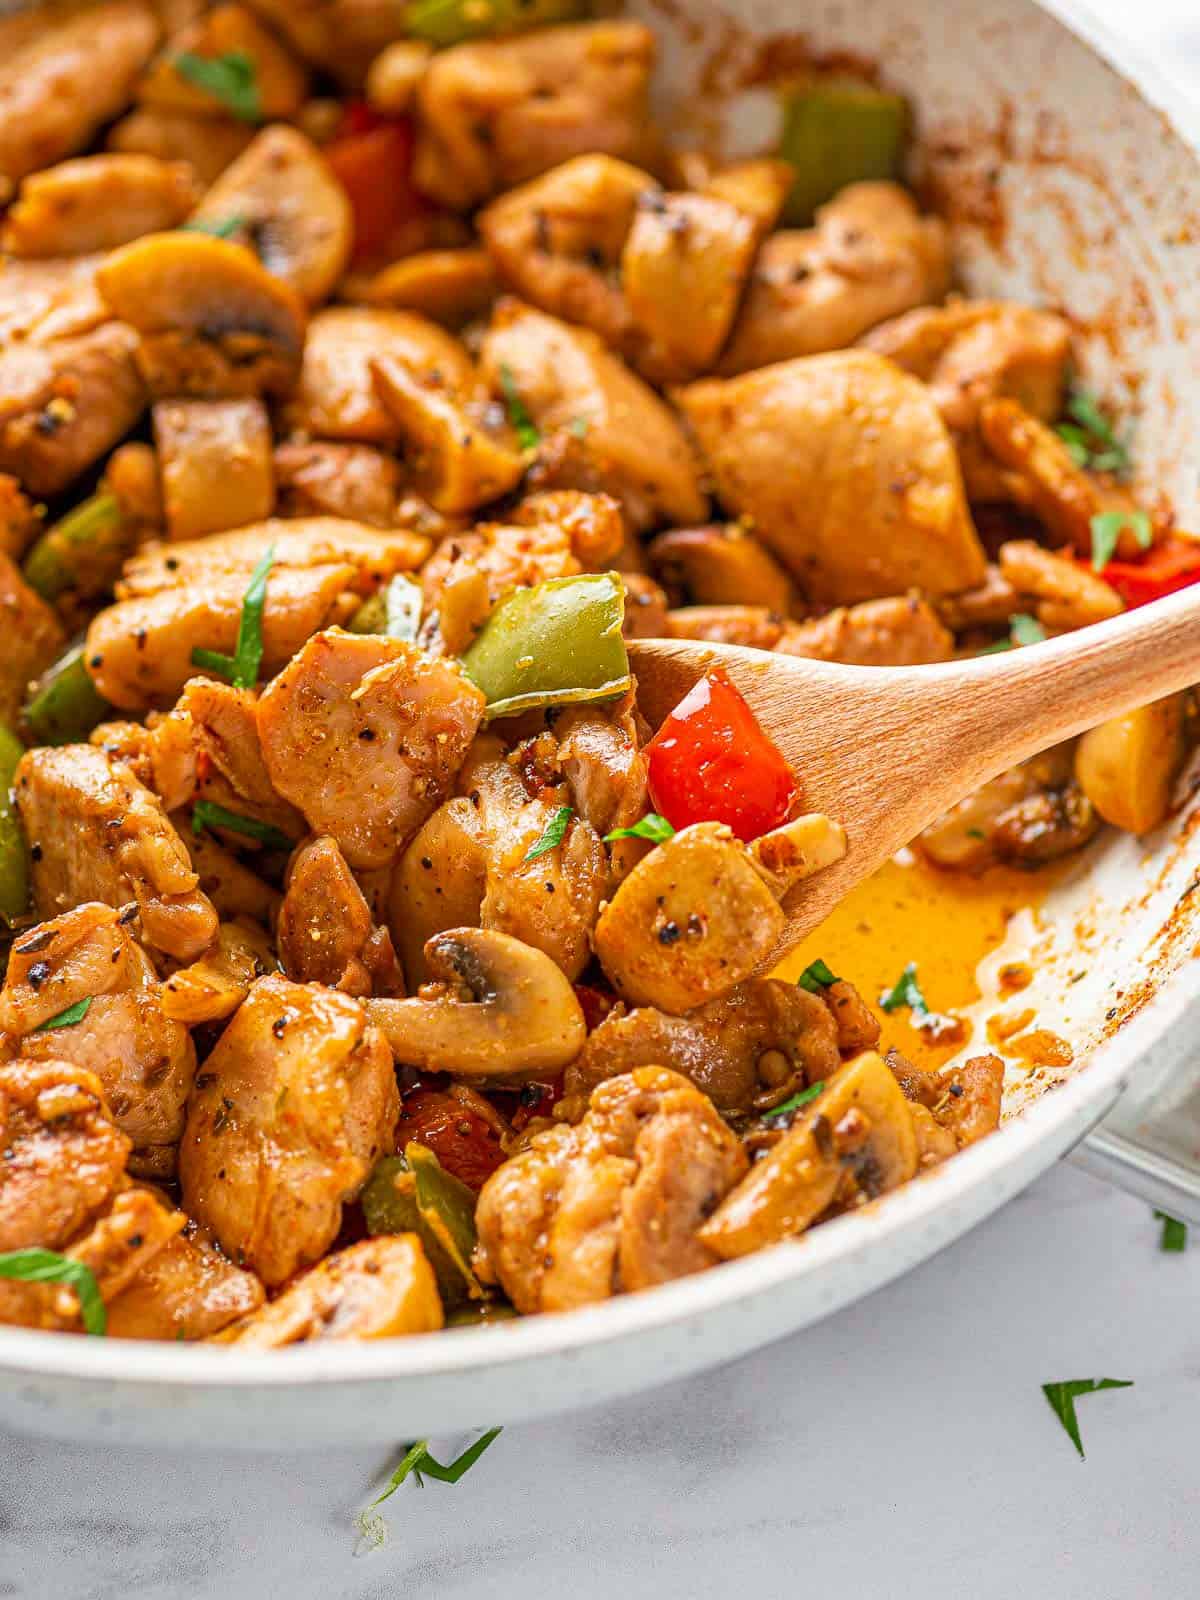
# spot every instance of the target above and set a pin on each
(231, 78)
(47, 1266)
(67, 1018)
(552, 834)
(419, 1464)
(1062, 1397)
(241, 668)
(817, 977)
(652, 827)
(1174, 1235)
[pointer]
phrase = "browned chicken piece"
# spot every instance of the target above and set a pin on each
(990, 605)
(558, 243)
(754, 626)
(848, 471)
(964, 1101)
(721, 564)
(96, 833)
(972, 351)
(65, 403)
(337, 397)
(35, 637)
(326, 932)
(870, 256)
(1062, 593)
(467, 867)
(66, 74)
(373, 556)
(188, 1290)
(857, 1025)
(1029, 815)
(41, 301)
(232, 886)
(290, 210)
(600, 759)
(211, 320)
(690, 251)
(646, 607)
(280, 80)
(342, 37)
(1128, 766)
(61, 1158)
(132, 476)
(1040, 475)
(613, 1205)
(365, 735)
(208, 144)
(337, 480)
(216, 462)
(690, 921)
(20, 519)
(628, 441)
(459, 446)
(557, 536)
(288, 1115)
(97, 203)
(228, 764)
(759, 188)
(449, 286)
(212, 987)
(144, 1062)
(904, 631)
(377, 1289)
(498, 112)
(755, 1044)
(853, 1143)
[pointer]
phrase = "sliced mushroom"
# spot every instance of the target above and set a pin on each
(97, 203)
(722, 565)
(856, 1140)
(213, 321)
(216, 463)
(449, 286)
(520, 1017)
(691, 920)
(377, 1289)
(289, 208)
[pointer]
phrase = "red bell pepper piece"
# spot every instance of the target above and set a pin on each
(711, 762)
(1172, 565)
(462, 1139)
(375, 169)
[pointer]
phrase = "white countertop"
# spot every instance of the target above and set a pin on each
(902, 1448)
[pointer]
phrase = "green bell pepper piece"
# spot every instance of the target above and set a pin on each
(65, 705)
(14, 857)
(412, 1193)
(81, 553)
(556, 644)
(394, 610)
(447, 22)
(839, 131)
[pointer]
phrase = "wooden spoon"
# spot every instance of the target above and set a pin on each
(886, 750)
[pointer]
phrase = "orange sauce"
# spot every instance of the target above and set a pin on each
(945, 922)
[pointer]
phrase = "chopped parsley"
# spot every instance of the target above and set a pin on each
(47, 1266)
(241, 668)
(817, 977)
(1107, 528)
(219, 227)
(1062, 1397)
(652, 827)
(419, 1464)
(906, 992)
(67, 1018)
(1174, 1234)
(528, 436)
(1089, 436)
(1022, 629)
(206, 814)
(231, 78)
(797, 1100)
(552, 834)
